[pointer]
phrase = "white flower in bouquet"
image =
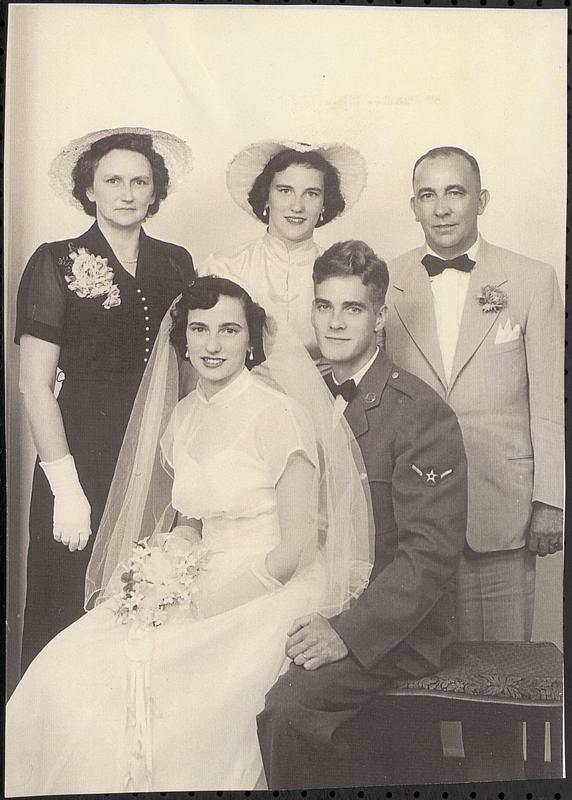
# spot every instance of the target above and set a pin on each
(159, 569)
(158, 578)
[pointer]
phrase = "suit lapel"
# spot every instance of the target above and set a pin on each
(413, 300)
(368, 394)
(475, 324)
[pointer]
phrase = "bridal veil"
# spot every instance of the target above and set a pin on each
(139, 501)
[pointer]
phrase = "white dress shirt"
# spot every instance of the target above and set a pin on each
(340, 403)
(449, 295)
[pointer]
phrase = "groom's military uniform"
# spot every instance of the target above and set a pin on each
(415, 460)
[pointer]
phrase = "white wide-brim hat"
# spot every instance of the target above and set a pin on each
(247, 165)
(176, 153)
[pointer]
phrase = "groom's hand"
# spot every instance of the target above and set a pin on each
(312, 642)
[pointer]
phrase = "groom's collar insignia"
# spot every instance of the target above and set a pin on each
(370, 397)
(430, 475)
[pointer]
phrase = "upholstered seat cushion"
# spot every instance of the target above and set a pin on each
(514, 672)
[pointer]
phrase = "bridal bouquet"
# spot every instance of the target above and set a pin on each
(158, 578)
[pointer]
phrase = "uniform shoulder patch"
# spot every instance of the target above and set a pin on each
(431, 476)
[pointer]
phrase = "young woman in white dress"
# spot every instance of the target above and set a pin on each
(251, 466)
(292, 188)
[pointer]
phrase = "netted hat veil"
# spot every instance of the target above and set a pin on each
(247, 165)
(175, 152)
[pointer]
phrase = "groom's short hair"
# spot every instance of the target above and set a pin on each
(354, 257)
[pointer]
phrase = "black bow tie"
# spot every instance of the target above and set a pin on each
(435, 266)
(347, 389)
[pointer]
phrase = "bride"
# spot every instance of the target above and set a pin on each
(247, 477)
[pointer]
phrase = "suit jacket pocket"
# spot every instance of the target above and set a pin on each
(507, 347)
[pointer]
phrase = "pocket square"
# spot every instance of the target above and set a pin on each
(506, 333)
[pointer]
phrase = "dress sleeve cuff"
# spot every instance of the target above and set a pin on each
(39, 330)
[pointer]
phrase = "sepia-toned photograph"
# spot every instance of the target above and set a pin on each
(284, 358)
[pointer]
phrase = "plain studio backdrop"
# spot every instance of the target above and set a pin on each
(391, 82)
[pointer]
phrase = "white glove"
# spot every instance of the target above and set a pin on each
(72, 510)
(253, 582)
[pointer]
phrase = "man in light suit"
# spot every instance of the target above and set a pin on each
(399, 627)
(484, 327)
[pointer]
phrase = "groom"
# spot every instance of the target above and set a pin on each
(415, 460)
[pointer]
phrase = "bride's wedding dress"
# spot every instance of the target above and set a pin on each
(176, 710)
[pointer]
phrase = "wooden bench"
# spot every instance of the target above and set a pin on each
(505, 698)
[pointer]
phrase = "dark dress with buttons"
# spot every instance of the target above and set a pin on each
(103, 354)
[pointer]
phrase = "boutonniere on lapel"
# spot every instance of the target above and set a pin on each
(90, 276)
(492, 298)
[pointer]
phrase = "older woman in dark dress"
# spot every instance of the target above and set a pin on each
(89, 309)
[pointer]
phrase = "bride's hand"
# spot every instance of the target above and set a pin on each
(188, 533)
(184, 535)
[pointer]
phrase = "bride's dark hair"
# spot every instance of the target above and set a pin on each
(205, 293)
